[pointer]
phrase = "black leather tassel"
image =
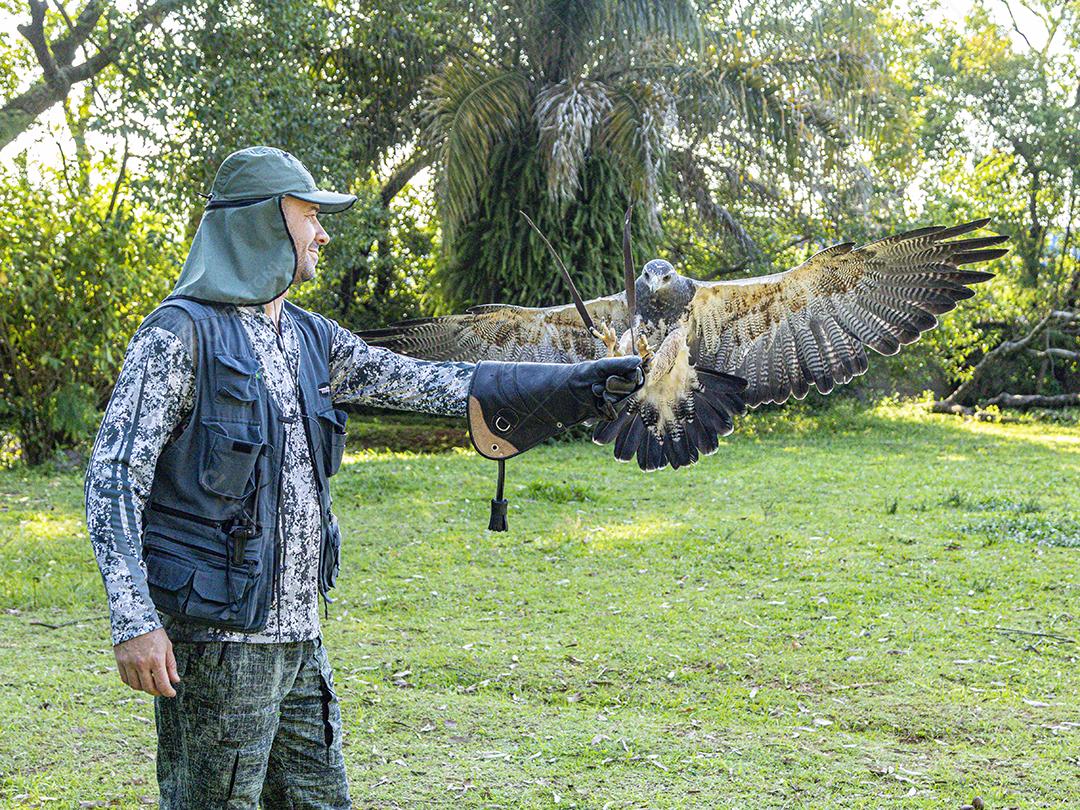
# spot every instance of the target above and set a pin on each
(497, 522)
(498, 515)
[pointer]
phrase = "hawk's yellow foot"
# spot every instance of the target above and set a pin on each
(644, 350)
(609, 338)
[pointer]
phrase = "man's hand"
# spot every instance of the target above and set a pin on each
(147, 663)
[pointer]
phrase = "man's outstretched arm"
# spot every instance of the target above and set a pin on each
(154, 392)
(376, 376)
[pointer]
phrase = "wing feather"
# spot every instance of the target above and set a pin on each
(506, 332)
(810, 325)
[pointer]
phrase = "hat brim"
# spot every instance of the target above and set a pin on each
(329, 202)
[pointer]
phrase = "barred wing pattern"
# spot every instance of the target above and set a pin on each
(508, 333)
(810, 325)
(677, 416)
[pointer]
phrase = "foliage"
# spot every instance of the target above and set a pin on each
(379, 264)
(999, 136)
(333, 83)
(79, 268)
(749, 135)
(506, 259)
(796, 621)
(573, 111)
(57, 51)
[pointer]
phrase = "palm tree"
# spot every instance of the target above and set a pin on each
(570, 109)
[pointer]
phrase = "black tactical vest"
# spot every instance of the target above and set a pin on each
(212, 526)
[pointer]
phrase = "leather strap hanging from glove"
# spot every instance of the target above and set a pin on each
(514, 406)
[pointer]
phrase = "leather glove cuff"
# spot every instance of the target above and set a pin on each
(512, 407)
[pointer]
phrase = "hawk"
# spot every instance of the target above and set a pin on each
(712, 348)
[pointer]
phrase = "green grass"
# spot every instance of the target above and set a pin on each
(811, 618)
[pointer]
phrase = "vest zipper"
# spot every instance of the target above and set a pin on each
(168, 510)
(192, 546)
(319, 489)
(315, 473)
(279, 534)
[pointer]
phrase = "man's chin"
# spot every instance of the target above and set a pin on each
(304, 274)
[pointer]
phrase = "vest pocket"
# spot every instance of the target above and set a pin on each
(234, 377)
(232, 449)
(169, 579)
(332, 427)
(199, 583)
(217, 590)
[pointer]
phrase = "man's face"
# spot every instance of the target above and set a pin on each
(307, 234)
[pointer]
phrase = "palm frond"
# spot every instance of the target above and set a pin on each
(471, 107)
(675, 21)
(563, 38)
(637, 133)
(567, 113)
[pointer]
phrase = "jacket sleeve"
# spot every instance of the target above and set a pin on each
(154, 393)
(375, 376)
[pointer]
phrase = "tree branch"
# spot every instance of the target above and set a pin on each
(417, 162)
(1016, 27)
(63, 48)
(1007, 348)
(19, 112)
(1051, 351)
(119, 182)
(1004, 400)
(34, 31)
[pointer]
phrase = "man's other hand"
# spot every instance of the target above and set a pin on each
(147, 663)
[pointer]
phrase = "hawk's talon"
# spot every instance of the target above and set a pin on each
(609, 339)
(644, 350)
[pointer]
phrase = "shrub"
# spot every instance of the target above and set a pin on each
(79, 269)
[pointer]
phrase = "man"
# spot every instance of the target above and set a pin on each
(207, 496)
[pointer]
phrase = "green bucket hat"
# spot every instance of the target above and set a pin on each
(243, 253)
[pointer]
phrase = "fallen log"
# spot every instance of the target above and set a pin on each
(1004, 400)
(951, 403)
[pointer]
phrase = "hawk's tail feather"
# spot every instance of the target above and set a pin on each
(703, 437)
(691, 429)
(650, 453)
(679, 450)
(713, 416)
(626, 444)
(606, 431)
(725, 390)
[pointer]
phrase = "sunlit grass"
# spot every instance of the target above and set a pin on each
(860, 607)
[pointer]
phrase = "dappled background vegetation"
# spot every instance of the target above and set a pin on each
(748, 135)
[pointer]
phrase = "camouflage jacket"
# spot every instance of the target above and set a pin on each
(154, 394)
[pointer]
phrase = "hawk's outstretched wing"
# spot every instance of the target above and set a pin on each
(508, 333)
(676, 416)
(779, 333)
(810, 325)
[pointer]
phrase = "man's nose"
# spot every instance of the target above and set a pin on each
(321, 236)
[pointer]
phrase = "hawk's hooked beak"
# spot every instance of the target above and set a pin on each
(657, 274)
(657, 281)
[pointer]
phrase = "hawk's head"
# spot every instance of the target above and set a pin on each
(662, 292)
(657, 274)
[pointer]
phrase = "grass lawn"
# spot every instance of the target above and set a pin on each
(854, 609)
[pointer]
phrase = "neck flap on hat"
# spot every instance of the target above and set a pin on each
(242, 254)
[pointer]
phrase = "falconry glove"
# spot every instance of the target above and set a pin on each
(515, 406)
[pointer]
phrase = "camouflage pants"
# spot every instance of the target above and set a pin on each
(251, 724)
